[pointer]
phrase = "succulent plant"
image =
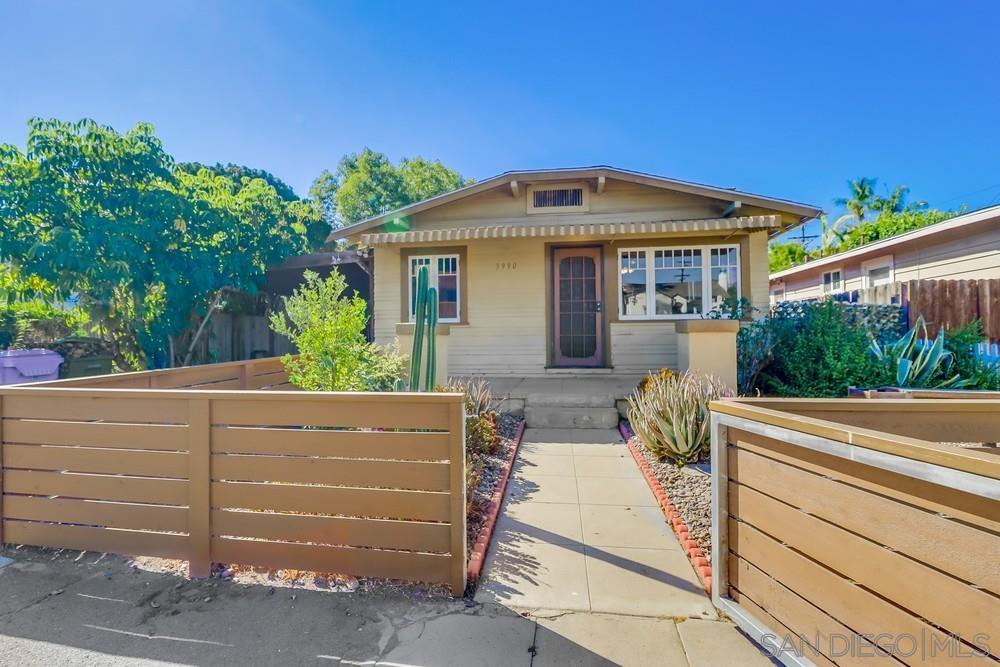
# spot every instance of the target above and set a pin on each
(918, 361)
(670, 415)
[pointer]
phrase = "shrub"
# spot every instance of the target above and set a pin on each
(670, 415)
(481, 434)
(328, 328)
(818, 352)
(977, 373)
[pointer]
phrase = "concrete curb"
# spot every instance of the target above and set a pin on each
(693, 550)
(478, 556)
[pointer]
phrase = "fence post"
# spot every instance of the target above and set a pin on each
(456, 451)
(199, 487)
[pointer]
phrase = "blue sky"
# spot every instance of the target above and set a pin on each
(788, 99)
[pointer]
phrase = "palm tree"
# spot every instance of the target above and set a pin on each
(832, 234)
(895, 202)
(862, 197)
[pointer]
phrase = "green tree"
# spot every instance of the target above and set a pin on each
(785, 255)
(891, 224)
(367, 184)
(895, 202)
(238, 172)
(328, 329)
(147, 245)
(861, 199)
(323, 195)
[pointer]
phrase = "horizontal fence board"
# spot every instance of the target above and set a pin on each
(194, 375)
(382, 503)
(217, 386)
(403, 446)
(167, 437)
(981, 426)
(107, 461)
(266, 380)
(968, 507)
(377, 533)
(127, 542)
(953, 605)
(920, 534)
(378, 412)
(786, 413)
(97, 487)
(336, 472)
(48, 404)
(825, 633)
(431, 568)
(91, 512)
(839, 597)
(776, 627)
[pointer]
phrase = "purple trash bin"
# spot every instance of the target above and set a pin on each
(17, 366)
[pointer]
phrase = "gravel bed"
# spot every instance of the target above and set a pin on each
(493, 467)
(690, 490)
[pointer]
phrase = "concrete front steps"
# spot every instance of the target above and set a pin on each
(564, 410)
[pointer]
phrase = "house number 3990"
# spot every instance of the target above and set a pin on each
(506, 266)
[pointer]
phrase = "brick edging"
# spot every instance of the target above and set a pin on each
(691, 547)
(478, 555)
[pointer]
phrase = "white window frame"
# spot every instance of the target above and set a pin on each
(432, 275)
(556, 210)
(822, 282)
(885, 261)
(706, 280)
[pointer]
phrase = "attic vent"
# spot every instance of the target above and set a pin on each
(560, 197)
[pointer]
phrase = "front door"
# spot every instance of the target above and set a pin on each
(578, 312)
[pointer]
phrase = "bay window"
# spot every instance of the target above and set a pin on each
(675, 283)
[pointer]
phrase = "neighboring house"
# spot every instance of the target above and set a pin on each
(571, 268)
(965, 247)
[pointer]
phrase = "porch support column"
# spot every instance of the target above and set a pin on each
(708, 346)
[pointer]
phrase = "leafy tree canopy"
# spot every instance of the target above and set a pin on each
(889, 224)
(146, 244)
(238, 172)
(368, 184)
(785, 255)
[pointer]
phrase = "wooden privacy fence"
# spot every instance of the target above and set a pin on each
(364, 484)
(947, 303)
(847, 533)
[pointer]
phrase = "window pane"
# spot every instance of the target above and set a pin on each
(677, 280)
(448, 297)
(879, 276)
(633, 272)
(725, 275)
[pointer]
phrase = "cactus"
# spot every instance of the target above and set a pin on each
(432, 320)
(419, 314)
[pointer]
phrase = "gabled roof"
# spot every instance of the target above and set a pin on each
(803, 211)
(983, 214)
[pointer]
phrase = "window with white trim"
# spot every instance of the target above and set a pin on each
(878, 271)
(442, 274)
(676, 282)
(833, 282)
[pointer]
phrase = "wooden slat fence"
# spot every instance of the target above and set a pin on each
(947, 303)
(855, 544)
(353, 483)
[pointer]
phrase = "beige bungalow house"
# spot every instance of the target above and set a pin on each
(579, 272)
(966, 247)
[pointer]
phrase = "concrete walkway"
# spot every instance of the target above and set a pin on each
(582, 545)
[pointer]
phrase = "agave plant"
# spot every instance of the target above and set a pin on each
(670, 414)
(918, 361)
